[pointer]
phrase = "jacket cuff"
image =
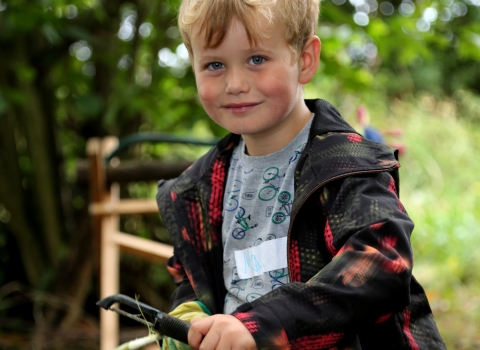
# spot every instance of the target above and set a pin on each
(203, 307)
(263, 324)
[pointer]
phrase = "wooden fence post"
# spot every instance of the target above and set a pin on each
(105, 226)
(105, 209)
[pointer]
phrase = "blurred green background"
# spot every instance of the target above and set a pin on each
(71, 70)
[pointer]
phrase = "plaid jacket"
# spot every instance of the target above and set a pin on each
(349, 252)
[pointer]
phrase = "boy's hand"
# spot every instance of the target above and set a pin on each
(220, 332)
(185, 312)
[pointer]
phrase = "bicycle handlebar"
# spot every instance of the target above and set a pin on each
(165, 324)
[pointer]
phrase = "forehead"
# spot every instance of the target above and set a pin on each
(210, 36)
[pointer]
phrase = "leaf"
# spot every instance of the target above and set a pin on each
(469, 45)
(378, 28)
(89, 106)
(78, 33)
(24, 72)
(51, 34)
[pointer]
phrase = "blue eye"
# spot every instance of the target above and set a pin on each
(257, 60)
(215, 66)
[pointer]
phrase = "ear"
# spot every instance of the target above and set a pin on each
(309, 59)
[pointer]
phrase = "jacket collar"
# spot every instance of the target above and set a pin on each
(327, 118)
(335, 150)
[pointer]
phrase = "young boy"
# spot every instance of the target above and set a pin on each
(290, 231)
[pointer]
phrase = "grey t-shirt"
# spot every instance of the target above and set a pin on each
(256, 216)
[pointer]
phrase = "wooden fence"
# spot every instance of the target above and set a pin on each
(106, 207)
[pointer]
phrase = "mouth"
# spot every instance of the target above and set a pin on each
(239, 108)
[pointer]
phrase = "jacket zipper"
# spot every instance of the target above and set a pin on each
(314, 190)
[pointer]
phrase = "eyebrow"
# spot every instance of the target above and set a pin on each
(251, 50)
(258, 48)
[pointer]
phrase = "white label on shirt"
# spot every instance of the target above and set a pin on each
(268, 256)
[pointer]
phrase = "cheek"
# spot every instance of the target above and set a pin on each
(206, 91)
(279, 88)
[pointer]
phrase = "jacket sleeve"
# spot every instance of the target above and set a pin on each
(366, 231)
(184, 291)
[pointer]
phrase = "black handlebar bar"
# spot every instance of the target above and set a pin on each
(164, 324)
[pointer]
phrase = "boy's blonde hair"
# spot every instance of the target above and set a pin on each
(213, 18)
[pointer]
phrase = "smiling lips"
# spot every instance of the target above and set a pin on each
(239, 108)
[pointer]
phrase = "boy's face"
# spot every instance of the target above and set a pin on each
(250, 90)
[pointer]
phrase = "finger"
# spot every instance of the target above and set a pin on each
(211, 340)
(223, 344)
(232, 339)
(198, 329)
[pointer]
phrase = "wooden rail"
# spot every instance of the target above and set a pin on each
(123, 207)
(134, 170)
(105, 209)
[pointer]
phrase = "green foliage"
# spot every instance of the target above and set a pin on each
(441, 191)
(439, 39)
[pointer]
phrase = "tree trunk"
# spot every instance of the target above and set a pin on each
(12, 196)
(45, 176)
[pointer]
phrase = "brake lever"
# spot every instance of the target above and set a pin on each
(164, 324)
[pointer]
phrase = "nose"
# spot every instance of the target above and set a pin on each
(236, 82)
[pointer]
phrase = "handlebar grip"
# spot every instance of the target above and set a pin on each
(164, 323)
(172, 327)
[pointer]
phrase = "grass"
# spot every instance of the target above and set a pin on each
(440, 187)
